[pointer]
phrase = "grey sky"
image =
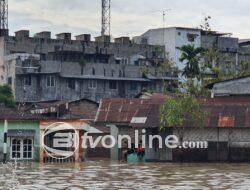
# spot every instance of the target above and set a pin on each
(129, 17)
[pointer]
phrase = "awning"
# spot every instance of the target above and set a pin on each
(21, 133)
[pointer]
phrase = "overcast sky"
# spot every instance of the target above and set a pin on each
(129, 17)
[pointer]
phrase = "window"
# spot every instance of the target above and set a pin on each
(92, 84)
(191, 37)
(71, 84)
(9, 80)
(27, 80)
(120, 73)
(50, 81)
(133, 86)
(21, 148)
(104, 72)
(112, 85)
(93, 71)
(113, 73)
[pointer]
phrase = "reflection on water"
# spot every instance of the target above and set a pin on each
(110, 175)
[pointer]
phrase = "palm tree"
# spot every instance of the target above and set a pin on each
(191, 56)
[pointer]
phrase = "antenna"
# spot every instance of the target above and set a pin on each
(4, 17)
(106, 17)
(164, 12)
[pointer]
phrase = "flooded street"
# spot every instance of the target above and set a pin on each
(110, 175)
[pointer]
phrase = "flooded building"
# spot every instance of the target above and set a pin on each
(40, 68)
(226, 129)
(23, 135)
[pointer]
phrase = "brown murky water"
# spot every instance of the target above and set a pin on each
(109, 175)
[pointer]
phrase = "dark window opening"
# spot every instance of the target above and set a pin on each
(50, 81)
(133, 86)
(9, 80)
(93, 71)
(104, 72)
(112, 85)
(27, 80)
(120, 73)
(92, 84)
(191, 37)
(71, 84)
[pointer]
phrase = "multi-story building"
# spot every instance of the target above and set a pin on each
(171, 38)
(40, 68)
(174, 37)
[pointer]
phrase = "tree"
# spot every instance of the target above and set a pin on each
(181, 111)
(6, 96)
(206, 24)
(243, 68)
(191, 56)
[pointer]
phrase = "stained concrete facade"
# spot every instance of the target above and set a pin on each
(43, 69)
(235, 87)
(173, 37)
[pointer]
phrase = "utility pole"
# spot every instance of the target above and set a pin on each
(4, 31)
(106, 17)
(5, 141)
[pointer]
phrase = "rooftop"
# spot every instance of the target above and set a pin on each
(145, 113)
(16, 115)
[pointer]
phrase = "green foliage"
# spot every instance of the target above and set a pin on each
(196, 89)
(191, 56)
(244, 68)
(144, 70)
(6, 96)
(159, 51)
(181, 111)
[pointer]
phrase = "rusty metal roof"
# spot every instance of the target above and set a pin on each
(16, 115)
(221, 112)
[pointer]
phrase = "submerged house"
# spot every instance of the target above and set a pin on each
(23, 137)
(226, 129)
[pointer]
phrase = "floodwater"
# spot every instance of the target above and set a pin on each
(111, 175)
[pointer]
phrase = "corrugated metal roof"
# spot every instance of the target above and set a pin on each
(16, 115)
(221, 112)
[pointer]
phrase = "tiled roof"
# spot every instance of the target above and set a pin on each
(234, 112)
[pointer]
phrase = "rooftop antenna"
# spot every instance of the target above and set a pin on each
(106, 17)
(164, 12)
(4, 17)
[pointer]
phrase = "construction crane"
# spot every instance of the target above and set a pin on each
(106, 17)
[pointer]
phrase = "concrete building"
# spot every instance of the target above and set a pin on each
(43, 69)
(171, 38)
(23, 137)
(232, 87)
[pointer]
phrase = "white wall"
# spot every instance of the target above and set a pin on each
(173, 38)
